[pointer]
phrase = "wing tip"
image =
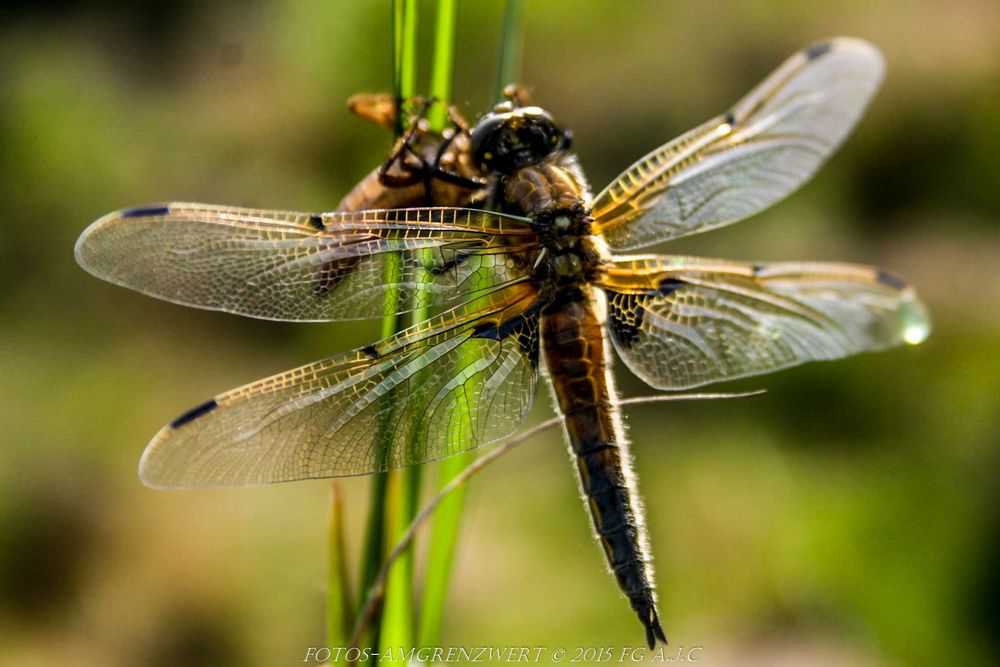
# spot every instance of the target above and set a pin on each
(842, 44)
(914, 322)
(150, 479)
(152, 469)
(83, 250)
(80, 248)
(150, 473)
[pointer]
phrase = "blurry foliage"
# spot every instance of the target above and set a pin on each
(849, 516)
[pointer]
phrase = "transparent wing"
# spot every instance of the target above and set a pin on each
(281, 265)
(740, 163)
(457, 381)
(681, 322)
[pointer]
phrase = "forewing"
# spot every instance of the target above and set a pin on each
(457, 381)
(680, 322)
(738, 164)
(281, 265)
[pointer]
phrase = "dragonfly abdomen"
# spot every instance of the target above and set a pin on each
(576, 356)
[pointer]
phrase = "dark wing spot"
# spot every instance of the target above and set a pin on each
(625, 315)
(816, 50)
(316, 221)
(668, 286)
(891, 280)
(149, 211)
(731, 119)
(499, 331)
(371, 351)
(524, 326)
(527, 332)
(517, 323)
(758, 269)
(486, 330)
(194, 413)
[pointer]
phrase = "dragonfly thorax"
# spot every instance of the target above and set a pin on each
(571, 256)
(554, 195)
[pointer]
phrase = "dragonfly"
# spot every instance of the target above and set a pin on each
(526, 272)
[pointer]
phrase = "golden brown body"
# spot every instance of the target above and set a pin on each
(577, 355)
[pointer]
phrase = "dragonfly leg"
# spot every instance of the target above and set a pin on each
(517, 95)
(403, 150)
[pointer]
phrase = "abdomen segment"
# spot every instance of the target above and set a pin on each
(576, 354)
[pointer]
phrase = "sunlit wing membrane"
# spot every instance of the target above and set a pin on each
(740, 163)
(281, 265)
(459, 380)
(680, 322)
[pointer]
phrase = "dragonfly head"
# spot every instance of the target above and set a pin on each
(508, 139)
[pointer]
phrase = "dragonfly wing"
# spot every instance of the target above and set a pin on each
(281, 265)
(738, 164)
(682, 322)
(456, 381)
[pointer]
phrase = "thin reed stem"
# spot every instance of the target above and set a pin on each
(444, 533)
(339, 600)
(511, 47)
(397, 627)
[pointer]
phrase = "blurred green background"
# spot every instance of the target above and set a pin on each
(848, 517)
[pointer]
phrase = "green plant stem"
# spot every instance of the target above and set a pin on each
(443, 65)
(511, 47)
(339, 605)
(375, 531)
(397, 627)
(444, 534)
(404, 40)
(396, 498)
(374, 546)
(447, 521)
